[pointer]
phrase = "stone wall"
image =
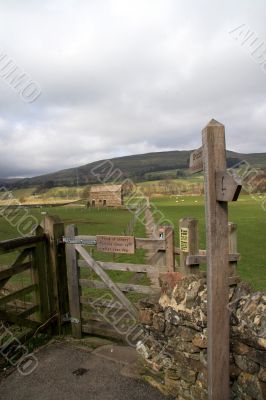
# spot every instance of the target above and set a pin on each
(173, 352)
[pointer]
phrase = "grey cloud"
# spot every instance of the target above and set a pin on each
(120, 77)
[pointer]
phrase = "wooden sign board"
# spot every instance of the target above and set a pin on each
(196, 161)
(116, 244)
(227, 187)
(183, 239)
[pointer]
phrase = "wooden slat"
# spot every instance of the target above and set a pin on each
(158, 259)
(202, 259)
(169, 249)
(18, 293)
(85, 237)
(40, 277)
(150, 244)
(25, 253)
(57, 269)
(105, 278)
(18, 261)
(112, 266)
(114, 316)
(17, 319)
(84, 301)
(17, 269)
(29, 311)
(22, 304)
(101, 329)
(7, 246)
(87, 318)
(152, 271)
(124, 287)
(73, 284)
(232, 233)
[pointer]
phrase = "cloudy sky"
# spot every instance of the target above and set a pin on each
(122, 77)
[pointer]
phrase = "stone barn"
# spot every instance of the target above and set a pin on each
(106, 196)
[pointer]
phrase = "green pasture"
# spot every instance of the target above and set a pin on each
(246, 212)
(250, 218)
(186, 180)
(88, 222)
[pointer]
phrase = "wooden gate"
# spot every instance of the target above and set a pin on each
(24, 286)
(99, 303)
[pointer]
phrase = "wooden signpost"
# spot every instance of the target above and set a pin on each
(196, 161)
(220, 187)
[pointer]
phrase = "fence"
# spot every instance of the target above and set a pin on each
(191, 257)
(55, 283)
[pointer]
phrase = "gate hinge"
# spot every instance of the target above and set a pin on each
(68, 318)
(77, 240)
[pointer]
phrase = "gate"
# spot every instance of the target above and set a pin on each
(24, 285)
(100, 304)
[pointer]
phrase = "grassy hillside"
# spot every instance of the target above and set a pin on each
(137, 167)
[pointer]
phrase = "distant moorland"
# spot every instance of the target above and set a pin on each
(141, 167)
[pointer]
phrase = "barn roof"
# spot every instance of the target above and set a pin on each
(105, 188)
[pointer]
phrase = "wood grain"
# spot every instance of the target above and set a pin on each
(216, 214)
(73, 284)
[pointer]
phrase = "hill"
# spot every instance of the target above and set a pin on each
(159, 165)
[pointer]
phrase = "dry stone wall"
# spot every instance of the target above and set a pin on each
(173, 352)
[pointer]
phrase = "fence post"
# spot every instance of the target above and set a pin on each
(188, 243)
(232, 233)
(40, 276)
(169, 249)
(54, 230)
(214, 159)
(73, 284)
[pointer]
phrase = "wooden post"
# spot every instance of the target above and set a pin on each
(54, 230)
(214, 158)
(169, 249)
(40, 276)
(189, 243)
(232, 232)
(73, 284)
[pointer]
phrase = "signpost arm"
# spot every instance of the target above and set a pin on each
(214, 158)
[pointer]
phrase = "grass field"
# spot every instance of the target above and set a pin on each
(246, 213)
(88, 222)
(191, 184)
(148, 187)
